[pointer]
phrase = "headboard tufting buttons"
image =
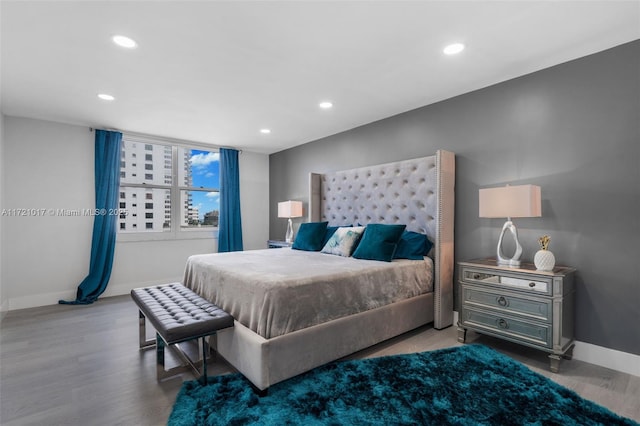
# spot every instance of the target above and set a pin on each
(400, 192)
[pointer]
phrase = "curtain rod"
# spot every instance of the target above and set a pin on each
(167, 139)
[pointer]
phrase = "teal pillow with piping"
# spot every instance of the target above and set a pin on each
(310, 236)
(379, 242)
(412, 245)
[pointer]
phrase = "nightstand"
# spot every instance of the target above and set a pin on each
(278, 244)
(523, 305)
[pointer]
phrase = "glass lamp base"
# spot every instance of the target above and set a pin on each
(289, 235)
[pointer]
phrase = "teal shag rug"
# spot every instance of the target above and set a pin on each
(465, 385)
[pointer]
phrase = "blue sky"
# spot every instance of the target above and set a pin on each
(205, 168)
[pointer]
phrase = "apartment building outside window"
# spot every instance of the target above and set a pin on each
(181, 196)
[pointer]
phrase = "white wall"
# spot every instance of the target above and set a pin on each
(4, 299)
(50, 166)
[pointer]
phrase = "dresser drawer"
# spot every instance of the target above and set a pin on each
(506, 302)
(508, 327)
(508, 280)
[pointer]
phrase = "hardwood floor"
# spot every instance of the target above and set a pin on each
(80, 365)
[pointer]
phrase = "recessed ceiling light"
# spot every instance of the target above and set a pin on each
(106, 97)
(124, 41)
(265, 131)
(453, 49)
(325, 105)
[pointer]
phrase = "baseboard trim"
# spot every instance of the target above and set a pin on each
(598, 355)
(120, 289)
(47, 299)
(4, 308)
(37, 300)
(610, 358)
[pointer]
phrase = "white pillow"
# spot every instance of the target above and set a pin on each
(344, 241)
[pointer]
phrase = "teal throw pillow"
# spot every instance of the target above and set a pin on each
(310, 236)
(379, 242)
(412, 245)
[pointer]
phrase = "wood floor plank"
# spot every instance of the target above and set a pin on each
(80, 365)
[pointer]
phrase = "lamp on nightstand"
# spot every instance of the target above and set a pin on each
(290, 209)
(509, 202)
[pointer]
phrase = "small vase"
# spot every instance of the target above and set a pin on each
(544, 260)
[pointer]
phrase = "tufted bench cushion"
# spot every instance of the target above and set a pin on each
(178, 314)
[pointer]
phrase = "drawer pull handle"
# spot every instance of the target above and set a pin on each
(476, 276)
(532, 285)
(502, 301)
(502, 323)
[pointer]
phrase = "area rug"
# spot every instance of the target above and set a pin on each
(465, 385)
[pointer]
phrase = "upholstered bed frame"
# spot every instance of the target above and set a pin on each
(418, 193)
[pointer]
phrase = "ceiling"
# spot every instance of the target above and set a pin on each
(218, 72)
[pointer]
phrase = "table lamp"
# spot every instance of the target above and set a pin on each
(510, 202)
(289, 209)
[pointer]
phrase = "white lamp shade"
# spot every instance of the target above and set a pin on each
(290, 209)
(510, 201)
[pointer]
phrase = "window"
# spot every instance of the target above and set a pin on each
(181, 196)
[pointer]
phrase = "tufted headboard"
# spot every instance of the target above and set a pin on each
(418, 193)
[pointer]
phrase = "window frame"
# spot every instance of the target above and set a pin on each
(176, 231)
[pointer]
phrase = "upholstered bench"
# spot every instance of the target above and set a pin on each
(178, 315)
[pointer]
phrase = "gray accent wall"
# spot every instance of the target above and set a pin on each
(573, 129)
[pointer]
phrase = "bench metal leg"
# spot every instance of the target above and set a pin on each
(205, 348)
(161, 371)
(142, 332)
(160, 344)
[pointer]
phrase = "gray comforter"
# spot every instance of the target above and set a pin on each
(277, 291)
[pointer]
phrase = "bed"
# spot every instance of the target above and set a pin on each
(295, 310)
